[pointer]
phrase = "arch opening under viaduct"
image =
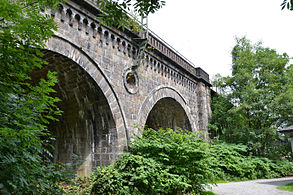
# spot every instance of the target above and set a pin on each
(168, 113)
(165, 107)
(92, 126)
(86, 129)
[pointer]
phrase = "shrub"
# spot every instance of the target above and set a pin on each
(161, 162)
(133, 174)
(175, 162)
(180, 152)
(78, 185)
(233, 162)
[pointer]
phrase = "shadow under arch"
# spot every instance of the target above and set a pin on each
(153, 107)
(97, 100)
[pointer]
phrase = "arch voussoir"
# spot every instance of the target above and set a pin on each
(65, 48)
(156, 95)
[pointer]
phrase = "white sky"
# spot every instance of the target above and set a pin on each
(204, 31)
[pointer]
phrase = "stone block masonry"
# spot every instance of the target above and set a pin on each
(103, 101)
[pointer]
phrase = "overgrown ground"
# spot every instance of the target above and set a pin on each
(287, 187)
(177, 162)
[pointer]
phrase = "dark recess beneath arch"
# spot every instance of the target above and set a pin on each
(168, 113)
(87, 127)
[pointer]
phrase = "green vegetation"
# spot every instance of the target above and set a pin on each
(166, 161)
(115, 12)
(255, 101)
(287, 4)
(26, 107)
(232, 162)
(161, 161)
(208, 193)
(287, 187)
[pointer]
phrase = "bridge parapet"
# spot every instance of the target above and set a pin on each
(182, 72)
(156, 42)
(125, 43)
(202, 74)
(78, 23)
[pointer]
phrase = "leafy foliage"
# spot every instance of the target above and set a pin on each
(287, 4)
(78, 185)
(169, 162)
(133, 174)
(25, 107)
(286, 187)
(115, 12)
(256, 100)
(233, 162)
(180, 152)
(161, 161)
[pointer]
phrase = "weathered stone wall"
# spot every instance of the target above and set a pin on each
(204, 106)
(86, 128)
(103, 86)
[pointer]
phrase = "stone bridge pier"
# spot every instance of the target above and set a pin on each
(103, 101)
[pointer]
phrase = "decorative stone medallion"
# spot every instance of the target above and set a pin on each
(130, 80)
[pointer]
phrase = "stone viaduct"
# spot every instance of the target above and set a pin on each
(104, 103)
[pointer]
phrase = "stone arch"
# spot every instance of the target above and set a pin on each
(163, 93)
(69, 51)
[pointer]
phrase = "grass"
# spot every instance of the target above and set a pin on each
(235, 179)
(204, 193)
(287, 187)
(207, 193)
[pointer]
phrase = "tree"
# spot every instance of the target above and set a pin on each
(260, 96)
(25, 107)
(115, 12)
(288, 4)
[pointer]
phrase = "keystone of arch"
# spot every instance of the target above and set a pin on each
(75, 53)
(158, 94)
